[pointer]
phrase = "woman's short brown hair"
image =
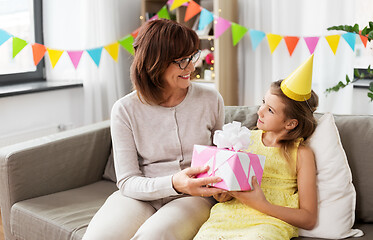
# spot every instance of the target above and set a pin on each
(158, 43)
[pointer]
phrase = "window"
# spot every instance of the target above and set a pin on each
(22, 19)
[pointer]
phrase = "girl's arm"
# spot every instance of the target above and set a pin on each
(306, 216)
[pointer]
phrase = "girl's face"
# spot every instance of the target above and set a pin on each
(271, 116)
(177, 78)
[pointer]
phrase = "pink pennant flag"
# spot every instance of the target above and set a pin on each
(75, 57)
(221, 25)
(311, 43)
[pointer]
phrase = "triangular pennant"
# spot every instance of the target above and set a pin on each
(238, 32)
(54, 56)
(113, 50)
(38, 51)
(18, 45)
(192, 10)
(4, 36)
(75, 57)
(177, 3)
(163, 13)
(95, 54)
(205, 18)
(291, 43)
(364, 39)
(221, 26)
(134, 33)
(273, 41)
(126, 43)
(350, 39)
(311, 43)
(256, 37)
(155, 17)
(333, 41)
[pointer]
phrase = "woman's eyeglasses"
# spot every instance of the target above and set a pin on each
(183, 63)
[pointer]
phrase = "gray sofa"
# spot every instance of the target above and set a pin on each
(52, 186)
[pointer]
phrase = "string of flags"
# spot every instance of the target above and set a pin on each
(206, 17)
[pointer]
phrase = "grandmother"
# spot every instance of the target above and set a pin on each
(153, 132)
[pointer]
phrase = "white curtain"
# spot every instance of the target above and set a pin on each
(85, 24)
(258, 68)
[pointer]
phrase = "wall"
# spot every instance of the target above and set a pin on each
(32, 115)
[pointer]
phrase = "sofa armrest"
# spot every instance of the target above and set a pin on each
(54, 163)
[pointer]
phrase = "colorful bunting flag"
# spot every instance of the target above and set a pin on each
(177, 3)
(221, 26)
(126, 43)
(256, 37)
(95, 54)
(38, 51)
(4, 36)
(75, 57)
(291, 43)
(364, 39)
(205, 18)
(350, 39)
(192, 10)
(113, 50)
(135, 33)
(163, 13)
(333, 41)
(238, 32)
(54, 56)
(311, 43)
(18, 45)
(273, 41)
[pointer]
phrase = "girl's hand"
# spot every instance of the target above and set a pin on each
(223, 197)
(254, 198)
(185, 182)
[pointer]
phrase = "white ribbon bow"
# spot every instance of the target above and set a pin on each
(233, 136)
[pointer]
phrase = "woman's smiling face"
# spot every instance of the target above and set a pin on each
(177, 78)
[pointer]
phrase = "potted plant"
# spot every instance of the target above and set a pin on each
(368, 32)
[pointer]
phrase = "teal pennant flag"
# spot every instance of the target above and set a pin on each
(350, 39)
(95, 54)
(256, 37)
(4, 36)
(205, 18)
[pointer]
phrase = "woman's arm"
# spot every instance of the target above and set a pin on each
(306, 216)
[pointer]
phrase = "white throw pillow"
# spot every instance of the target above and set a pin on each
(336, 193)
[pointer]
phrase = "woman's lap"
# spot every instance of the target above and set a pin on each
(120, 218)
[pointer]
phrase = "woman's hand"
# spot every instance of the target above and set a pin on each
(254, 198)
(223, 197)
(185, 182)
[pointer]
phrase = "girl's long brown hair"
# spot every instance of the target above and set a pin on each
(300, 110)
(158, 43)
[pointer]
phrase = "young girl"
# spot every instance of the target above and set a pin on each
(287, 196)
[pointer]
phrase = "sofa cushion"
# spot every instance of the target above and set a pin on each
(62, 215)
(336, 193)
(356, 135)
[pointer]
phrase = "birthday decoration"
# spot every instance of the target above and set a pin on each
(206, 17)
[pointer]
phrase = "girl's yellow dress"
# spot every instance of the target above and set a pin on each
(234, 220)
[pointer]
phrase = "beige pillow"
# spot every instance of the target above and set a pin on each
(336, 193)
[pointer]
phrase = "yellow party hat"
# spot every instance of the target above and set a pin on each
(298, 84)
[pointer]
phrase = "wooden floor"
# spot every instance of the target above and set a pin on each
(1, 229)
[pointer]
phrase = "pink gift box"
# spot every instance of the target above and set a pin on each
(235, 168)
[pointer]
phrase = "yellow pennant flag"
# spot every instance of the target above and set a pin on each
(54, 56)
(273, 41)
(113, 50)
(177, 3)
(333, 41)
